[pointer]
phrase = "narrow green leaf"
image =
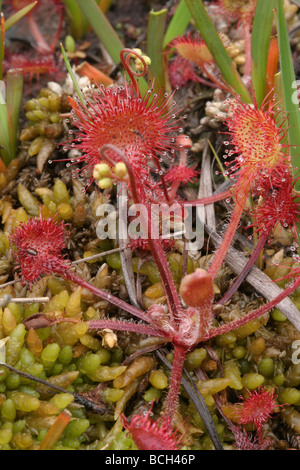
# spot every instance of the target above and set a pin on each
(218, 160)
(4, 135)
(260, 41)
(102, 28)
(289, 87)
(69, 68)
(155, 35)
(14, 91)
(78, 22)
(2, 40)
(106, 33)
(178, 23)
(13, 19)
(208, 32)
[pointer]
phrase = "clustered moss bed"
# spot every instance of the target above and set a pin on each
(102, 379)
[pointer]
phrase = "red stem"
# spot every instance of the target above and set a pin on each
(220, 330)
(232, 227)
(107, 296)
(210, 199)
(175, 185)
(125, 56)
(154, 243)
(174, 385)
(261, 243)
(40, 41)
(124, 326)
(214, 79)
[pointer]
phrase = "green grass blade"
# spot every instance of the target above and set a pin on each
(178, 23)
(155, 35)
(102, 28)
(106, 33)
(14, 91)
(208, 32)
(4, 131)
(78, 23)
(260, 41)
(4, 135)
(290, 95)
(69, 68)
(2, 40)
(13, 19)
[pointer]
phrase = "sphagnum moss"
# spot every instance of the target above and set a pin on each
(36, 403)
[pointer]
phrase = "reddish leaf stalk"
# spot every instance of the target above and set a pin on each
(220, 330)
(210, 199)
(254, 256)
(126, 55)
(123, 326)
(229, 235)
(155, 246)
(175, 380)
(105, 295)
(184, 143)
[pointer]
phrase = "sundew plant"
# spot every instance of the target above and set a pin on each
(148, 342)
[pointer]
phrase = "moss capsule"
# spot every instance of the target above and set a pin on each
(60, 192)
(289, 395)
(5, 436)
(138, 367)
(15, 344)
(158, 379)
(13, 381)
(8, 410)
(195, 358)
(258, 346)
(61, 400)
(252, 380)
(266, 367)
(65, 355)
(239, 352)
(50, 355)
(89, 363)
(106, 373)
(212, 386)
(73, 306)
(277, 315)
(226, 339)
(22, 440)
(152, 394)
(232, 372)
(65, 211)
(112, 395)
(24, 402)
(76, 427)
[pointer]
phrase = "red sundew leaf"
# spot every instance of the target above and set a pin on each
(181, 174)
(259, 144)
(238, 9)
(39, 245)
(152, 435)
(140, 127)
(258, 407)
(193, 48)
